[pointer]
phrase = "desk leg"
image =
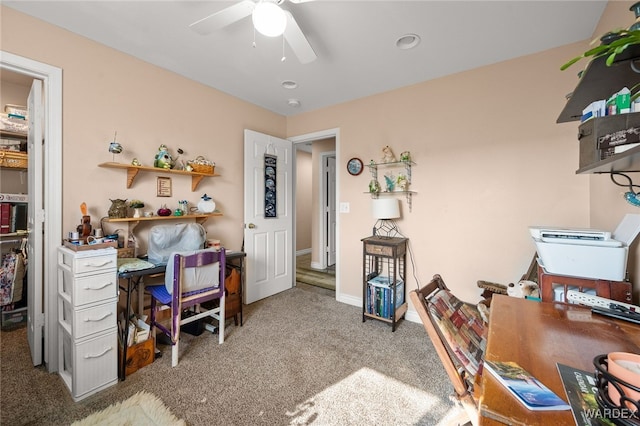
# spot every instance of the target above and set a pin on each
(125, 332)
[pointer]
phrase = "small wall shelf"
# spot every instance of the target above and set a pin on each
(132, 172)
(373, 168)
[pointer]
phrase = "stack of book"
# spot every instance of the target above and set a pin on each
(380, 296)
(13, 213)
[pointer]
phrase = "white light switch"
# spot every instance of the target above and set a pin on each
(344, 207)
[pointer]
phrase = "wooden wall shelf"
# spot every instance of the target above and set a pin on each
(132, 172)
(200, 218)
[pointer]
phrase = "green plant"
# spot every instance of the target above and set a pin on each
(622, 39)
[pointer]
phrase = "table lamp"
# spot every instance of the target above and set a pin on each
(385, 210)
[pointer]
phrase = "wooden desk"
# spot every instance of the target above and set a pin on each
(537, 335)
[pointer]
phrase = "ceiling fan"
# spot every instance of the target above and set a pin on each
(262, 11)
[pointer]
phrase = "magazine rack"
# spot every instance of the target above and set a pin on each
(435, 304)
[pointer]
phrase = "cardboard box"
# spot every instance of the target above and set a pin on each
(138, 356)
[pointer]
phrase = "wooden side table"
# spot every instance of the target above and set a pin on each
(384, 271)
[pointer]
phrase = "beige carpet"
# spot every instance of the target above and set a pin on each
(300, 358)
(142, 409)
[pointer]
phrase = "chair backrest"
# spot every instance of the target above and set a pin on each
(195, 270)
(456, 331)
(167, 239)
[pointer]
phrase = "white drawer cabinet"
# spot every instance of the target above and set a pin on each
(87, 320)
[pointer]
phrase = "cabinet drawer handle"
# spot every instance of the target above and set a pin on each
(86, 287)
(98, 319)
(97, 265)
(88, 356)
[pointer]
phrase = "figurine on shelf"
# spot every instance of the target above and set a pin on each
(387, 155)
(163, 158)
(206, 204)
(137, 206)
(164, 211)
(405, 156)
(374, 186)
(182, 208)
(84, 229)
(402, 183)
(136, 162)
(118, 209)
(390, 182)
(178, 163)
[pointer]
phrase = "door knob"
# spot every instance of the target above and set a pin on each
(251, 226)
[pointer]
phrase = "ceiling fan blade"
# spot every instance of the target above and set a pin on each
(223, 18)
(298, 42)
(300, 1)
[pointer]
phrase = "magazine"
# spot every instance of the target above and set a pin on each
(526, 388)
(580, 387)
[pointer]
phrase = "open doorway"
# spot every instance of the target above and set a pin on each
(46, 199)
(316, 212)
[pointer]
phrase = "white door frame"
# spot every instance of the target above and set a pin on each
(315, 136)
(324, 225)
(52, 92)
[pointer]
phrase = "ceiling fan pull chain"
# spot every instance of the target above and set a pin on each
(284, 58)
(254, 37)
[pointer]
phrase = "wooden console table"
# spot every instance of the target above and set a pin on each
(537, 335)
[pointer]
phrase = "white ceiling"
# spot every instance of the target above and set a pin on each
(354, 41)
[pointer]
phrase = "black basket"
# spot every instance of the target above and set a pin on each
(627, 416)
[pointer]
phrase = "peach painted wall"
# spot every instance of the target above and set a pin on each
(304, 182)
(105, 91)
(491, 161)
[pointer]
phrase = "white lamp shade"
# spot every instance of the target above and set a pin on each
(385, 208)
(269, 19)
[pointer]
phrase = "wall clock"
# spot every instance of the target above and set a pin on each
(354, 166)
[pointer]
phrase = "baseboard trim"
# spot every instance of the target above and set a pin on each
(303, 251)
(410, 316)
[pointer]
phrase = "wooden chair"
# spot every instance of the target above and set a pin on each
(458, 335)
(191, 279)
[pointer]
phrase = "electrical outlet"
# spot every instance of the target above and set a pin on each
(345, 207)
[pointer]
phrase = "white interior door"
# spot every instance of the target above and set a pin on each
(35, 312)
(268, 241)
(331, 210)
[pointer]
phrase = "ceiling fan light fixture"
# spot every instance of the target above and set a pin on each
(269, 19)
(408, 41)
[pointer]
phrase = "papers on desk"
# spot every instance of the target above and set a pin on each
(526, 388)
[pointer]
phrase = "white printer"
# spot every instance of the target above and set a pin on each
(586, 253)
